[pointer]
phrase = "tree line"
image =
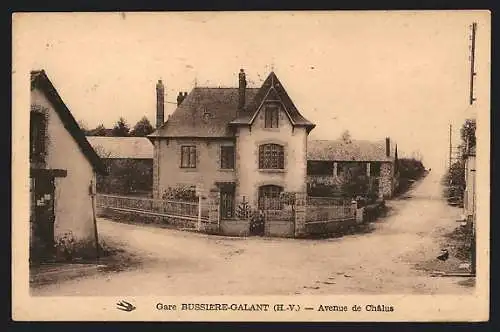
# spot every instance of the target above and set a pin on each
(121, 128)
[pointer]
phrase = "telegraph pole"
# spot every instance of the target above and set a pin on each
(472, 99)
(449, 157)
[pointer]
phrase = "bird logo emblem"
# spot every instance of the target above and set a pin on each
(125, 306)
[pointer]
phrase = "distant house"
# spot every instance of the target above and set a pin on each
(63, 168)
(329, 160)
(129, 161)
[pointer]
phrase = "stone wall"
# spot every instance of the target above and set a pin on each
(213, 201)
(386, 180)
(300, 214)
(235, 227)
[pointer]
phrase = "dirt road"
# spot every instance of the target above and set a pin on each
(383, 260)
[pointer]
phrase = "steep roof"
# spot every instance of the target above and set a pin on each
(210, 112)
(356, 150)
(122, 147)
(205, 112)
(40, 81)
(272, 88)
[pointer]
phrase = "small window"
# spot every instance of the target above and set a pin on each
(227, 157)
(188, 156)
(374, 169)
(271, 116)
(271, 156)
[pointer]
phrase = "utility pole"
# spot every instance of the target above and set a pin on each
(472, 99)
(449, 159)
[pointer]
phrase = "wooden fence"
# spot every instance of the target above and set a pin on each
(157, 207)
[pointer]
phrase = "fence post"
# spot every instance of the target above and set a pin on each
(213, 208)
(300, 214)
(354, 206)
(199, 212)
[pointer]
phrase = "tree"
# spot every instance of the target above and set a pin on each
(346, 136)
(410, 170)
(121, 128)
(83, 127)
(100, 130)
(468, 133)
(142, 128)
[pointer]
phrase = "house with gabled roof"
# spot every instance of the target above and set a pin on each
(63, 168)
(246, 143)
(328, 162)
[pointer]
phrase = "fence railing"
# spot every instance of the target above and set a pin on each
(329, 213)
(327, 201)
(166, 208)
(279, 215)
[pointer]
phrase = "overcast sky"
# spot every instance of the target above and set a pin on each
(403, 75)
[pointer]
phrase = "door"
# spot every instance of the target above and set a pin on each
(227, 203)
(43, 217)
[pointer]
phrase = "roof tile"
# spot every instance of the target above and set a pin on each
(339, 150)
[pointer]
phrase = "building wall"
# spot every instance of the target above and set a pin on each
(469, 193)
(386, 180)
(73, 202)
(250, 178)
(207, 170)
(156, 169)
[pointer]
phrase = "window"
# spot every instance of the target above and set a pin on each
(269, 197)
(375, 169)
(188, 156)
(271, 116)
(271, 156)
(37, 136)
(227, 157)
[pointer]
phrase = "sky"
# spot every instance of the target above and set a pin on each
(399, 74)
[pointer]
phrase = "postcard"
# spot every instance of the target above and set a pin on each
(251, 166)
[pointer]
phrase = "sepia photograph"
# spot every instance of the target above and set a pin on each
(251, 165)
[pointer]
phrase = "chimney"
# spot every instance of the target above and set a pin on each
(160, 104)
(387, 147)
(242, 89)
(180, 98)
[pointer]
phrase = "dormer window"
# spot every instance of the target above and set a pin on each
(271, 116)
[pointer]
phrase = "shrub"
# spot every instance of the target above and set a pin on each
(180, 193)
(356, 182)
(410, 170)
(244, 210)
